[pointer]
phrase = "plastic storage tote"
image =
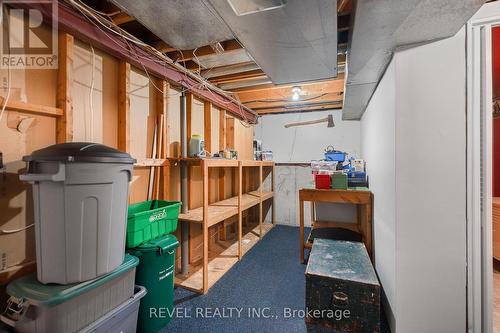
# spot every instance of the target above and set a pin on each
(80, 193)
(151, 219)
(156, 273)
(322, 181)
(339, 181)
(122, 319)
(37, 308)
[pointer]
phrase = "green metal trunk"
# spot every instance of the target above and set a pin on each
(156, 273)
(342, 289)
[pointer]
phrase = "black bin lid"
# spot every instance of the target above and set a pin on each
(80, 152)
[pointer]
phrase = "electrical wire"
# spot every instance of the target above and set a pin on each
(13, 231)
(93, 16)
(91, 96)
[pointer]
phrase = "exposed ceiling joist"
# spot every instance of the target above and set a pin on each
(228, 70)
(238, 77)
(284, 91)
(184, 55)
(122, 18)
(247, 83)
(320, 95)
(162, 46)
(302, 108)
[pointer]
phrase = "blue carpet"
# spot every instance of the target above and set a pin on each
(269, 279)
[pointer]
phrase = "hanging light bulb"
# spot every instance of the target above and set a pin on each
(296, 93)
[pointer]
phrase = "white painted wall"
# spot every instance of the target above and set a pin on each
(378, 149)
(306, 143)
(303, 144)
(416, 120)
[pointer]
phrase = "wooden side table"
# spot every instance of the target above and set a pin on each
(363, 199)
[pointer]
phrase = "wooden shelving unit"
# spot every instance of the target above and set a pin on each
(218, 261)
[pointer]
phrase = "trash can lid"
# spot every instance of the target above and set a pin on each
(165, 243)
(80, 152)
(28, 287)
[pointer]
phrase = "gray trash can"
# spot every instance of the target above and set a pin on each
(80, 193)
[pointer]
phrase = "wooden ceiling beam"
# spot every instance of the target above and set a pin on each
(326, 98)
(238, 76)
(162, 46)
(317, 96)
(310, 108)
(122, 18)
(186, 55)
(284, 91)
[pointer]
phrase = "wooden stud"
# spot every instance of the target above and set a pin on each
(260, 203)
(159, 142)
(240, 221)
(166, 142)
(273, 208)
(222, 146)
(207, 112)
(64, 124)
(222, 130)
(230, 132)
(204, 167)
(161, 184)
(123, 106)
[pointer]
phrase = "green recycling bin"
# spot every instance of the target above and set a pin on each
(156, 273)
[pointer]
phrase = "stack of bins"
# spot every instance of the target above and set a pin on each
(80, 194)
(148, 227)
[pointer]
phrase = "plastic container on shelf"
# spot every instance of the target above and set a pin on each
(37, 308)
(322, 181)
(122, 319)
(339, 181)
(80, 194)
(196, 145)
(151, 219)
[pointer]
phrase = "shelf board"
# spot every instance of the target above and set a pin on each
(222, 256)
(220, 162)
(150, 162)
(32, 108)
(222, 210)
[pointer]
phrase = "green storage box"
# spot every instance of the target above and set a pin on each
(34, 307)
(339, 181)
(156, 272)
(151, 219)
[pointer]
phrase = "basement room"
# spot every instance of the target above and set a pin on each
(327, 166)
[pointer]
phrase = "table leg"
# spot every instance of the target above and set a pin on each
(368, 230)
(301, 227)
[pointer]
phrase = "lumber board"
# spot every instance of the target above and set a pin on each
(64, 123)
(207, 130)
(222, 256)
(24, 107)
(124, 106)
(221, 210)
